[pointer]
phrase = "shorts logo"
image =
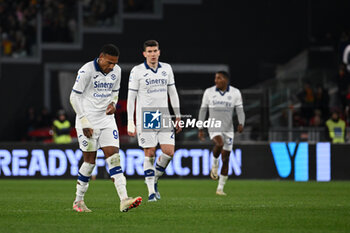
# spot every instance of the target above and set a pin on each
(152, 119)
(85, 143)
(143, 140)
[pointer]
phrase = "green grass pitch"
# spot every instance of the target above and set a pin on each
(186, 206)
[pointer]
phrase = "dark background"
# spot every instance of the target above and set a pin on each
(252, 37)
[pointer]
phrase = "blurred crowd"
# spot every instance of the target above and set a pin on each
(59, 20)
(18, 25)
(18, 21)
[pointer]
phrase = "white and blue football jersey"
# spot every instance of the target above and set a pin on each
(96, 89)
(221, 105)
(151, 86)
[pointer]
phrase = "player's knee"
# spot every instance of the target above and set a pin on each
(169, 152)
(219, 145)
(150, 152)
(113, 160)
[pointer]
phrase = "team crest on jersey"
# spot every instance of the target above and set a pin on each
(164, 73)
(152, 119)
(229, 97)
(113, 77)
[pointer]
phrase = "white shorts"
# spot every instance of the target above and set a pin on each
(227, 138)
(151, 139)
(100, 138)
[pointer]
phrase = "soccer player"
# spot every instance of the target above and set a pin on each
(94, 96)
(221, 99)
(150, 83)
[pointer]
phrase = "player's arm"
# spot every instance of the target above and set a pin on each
(175, 103)
(76, 102)
(111, 108)
(174, 99)
(132, 94)
(202, 114)
(240, 114)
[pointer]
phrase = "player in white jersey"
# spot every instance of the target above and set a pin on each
(150, 83)
(94, 96)
(221, 100)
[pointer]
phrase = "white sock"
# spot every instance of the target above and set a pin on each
(148, 167)
(116, 173)
(120, 185)
(222, 182)
(83, 180)
(161, 164)
(215, 161)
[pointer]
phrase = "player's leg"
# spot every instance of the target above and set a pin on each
(166, 140)
(88, 146)
(148, 141)
(162, 163)
(225, 158)
(109, 142)
(218, 145)
(83, 181)
(148, 167)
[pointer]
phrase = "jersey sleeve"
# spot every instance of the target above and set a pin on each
(133, 80)
(239, 101)
(205, 99)
(171, 79)
(117, 82)
(82, 80)
(204, 107)
(115, 91)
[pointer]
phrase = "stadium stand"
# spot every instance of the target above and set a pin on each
(59, 36)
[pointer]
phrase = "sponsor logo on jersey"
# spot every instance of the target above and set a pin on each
(156, 81)
(98, 84)
(222, 103)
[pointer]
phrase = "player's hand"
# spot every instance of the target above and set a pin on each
(177, 125)
(240, 128)
(110, 109)
(201, 135)
(131, 128)
(88, 132)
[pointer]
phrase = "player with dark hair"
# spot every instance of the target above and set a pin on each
(221, 99)
(94, 96)
(150, 83)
